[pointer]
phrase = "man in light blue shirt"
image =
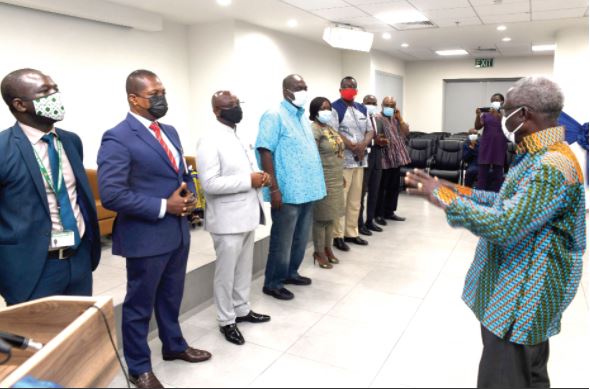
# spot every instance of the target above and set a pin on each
(288, 152)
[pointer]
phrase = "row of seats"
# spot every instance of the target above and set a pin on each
(441, 154)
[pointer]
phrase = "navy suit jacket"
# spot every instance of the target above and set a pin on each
(25, 224)
(134, 175)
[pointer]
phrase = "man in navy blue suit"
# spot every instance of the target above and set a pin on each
(49, 236)
(143, 177)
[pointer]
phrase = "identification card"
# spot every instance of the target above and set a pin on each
(64, 239)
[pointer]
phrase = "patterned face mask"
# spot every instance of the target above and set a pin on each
(50, 107)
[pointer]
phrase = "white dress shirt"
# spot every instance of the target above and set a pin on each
(146, 123)
(42, 149)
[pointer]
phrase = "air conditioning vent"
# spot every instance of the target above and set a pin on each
(414, 25)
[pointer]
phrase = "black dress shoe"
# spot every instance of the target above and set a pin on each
(396, 218)
(341, 245)
(279, 294)
(299, 281)
(373, 227)
(145, 380)
(357, 240)
(232, 334)
(254, 318)
(364, 230)
(381, 221)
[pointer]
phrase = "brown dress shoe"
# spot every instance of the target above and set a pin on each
(191, 355)
(146, 380)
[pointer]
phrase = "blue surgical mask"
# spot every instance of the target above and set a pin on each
(325, 116)
(388, 111)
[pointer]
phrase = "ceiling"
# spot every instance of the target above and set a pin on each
(465, 24)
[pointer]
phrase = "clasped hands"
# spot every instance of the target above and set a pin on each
(182, 202)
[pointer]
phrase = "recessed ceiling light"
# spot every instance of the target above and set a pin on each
(544, 47)
(292, 23)
(224, 3)
(507, 39)
(398, 17)
(405, 45)
(386, 36)
(502, 28)
(452, 52)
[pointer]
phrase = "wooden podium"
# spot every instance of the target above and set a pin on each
(78, 352)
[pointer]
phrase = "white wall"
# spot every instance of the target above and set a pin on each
(383, 62)
(90, 62)
(424, 88)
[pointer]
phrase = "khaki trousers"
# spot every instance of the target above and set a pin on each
(353, 191)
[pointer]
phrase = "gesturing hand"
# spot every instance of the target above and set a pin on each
(182, 202)
(421, 184)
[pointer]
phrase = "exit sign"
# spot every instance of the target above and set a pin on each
(484, 63)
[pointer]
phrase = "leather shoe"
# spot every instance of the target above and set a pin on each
(373, 227)
(299, 281)
(381, 221)
(364, 230)
(279, 294)
(254, 318)
(357, 241)
(341, 245)
(191, 355)
(396, 218)
(146, 380)
(232, 334)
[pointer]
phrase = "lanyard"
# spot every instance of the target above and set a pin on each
(45, 173)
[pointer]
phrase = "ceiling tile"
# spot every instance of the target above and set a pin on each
(522, 17)
(366, 21)
(453, 22)
(316, 4)
(493, 2)
(559, 14)
(503, 9)
(338, 14)
(424, 5)
(451, 13)
(548, 5)
(377, 8)
(364, 2)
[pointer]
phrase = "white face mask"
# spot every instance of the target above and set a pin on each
(473, 137)
(325, 116)
(496, 105)
(300, 98)
(511, 136)
(371, 110)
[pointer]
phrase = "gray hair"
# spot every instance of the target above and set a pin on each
(538, 93)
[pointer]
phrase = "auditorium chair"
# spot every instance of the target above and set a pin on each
(106, 218)
(420, 151)
(447, 163)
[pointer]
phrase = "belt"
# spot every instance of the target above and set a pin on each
(62, 254)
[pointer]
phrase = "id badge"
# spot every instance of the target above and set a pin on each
(64, 239)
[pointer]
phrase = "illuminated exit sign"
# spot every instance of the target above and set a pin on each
(484, 63)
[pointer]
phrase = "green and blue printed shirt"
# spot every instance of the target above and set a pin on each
(528, 263)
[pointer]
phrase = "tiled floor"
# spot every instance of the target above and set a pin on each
(389, 316)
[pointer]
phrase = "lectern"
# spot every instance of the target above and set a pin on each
(78, 352)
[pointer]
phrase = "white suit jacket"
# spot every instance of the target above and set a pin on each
(225, 165)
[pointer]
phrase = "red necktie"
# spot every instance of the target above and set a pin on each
(156, 129)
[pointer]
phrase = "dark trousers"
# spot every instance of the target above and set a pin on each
(289, 235)
(471, 176)
(70, 277)
(153, 283)
(371, 186)
(510, 365)
(389, 193)
(490, 178)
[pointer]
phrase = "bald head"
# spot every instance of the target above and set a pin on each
(370, 100)
(389, 101)
(223, 100)
(25, 84)
(292, 81)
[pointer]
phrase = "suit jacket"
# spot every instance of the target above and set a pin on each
(225, 166)
(25, 223)
(134, 175)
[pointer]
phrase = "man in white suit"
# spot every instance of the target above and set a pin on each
(234, 210)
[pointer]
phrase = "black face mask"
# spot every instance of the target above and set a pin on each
(158, 106)
(233, 115)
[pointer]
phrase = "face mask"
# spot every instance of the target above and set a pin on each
(389, 112)
(233, 115)
(300, 98)
(158, 106)
(325, 116)
(511, 136)
(50, 107)
(473, 137)
(371, 110)
(496, 105)
(348, 94)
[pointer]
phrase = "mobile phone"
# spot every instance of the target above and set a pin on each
(485, 109)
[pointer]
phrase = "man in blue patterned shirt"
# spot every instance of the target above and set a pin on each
(287, 151)
(528, 262)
